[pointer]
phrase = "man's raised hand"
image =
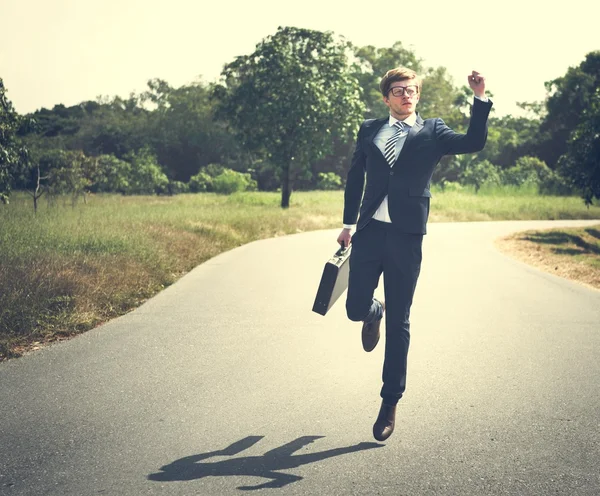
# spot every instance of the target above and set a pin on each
(477, 84)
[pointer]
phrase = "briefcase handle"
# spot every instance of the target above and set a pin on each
(342, 251)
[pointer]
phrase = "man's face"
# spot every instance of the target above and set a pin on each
(402, 98)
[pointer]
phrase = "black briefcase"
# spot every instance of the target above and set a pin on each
(334, 281)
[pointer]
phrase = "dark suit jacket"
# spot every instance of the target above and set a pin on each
(407, 182)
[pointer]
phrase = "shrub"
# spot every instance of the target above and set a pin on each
(201, 182)
(214, 170)
(555, 184)
(480, 173)
(177, 187)
(112, 175)
(329, 181)
(147, 176)
(527, 170)
(230, 181)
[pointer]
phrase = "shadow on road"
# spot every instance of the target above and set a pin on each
(266, 466)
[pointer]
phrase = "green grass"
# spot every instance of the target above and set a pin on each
(67, 269)
(506, 203)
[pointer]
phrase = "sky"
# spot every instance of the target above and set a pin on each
(69, 51)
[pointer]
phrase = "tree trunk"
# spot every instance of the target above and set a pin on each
(286, 189)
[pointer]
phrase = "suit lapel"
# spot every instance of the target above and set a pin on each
(375, 127)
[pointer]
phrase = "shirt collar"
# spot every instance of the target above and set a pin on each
(410, 120)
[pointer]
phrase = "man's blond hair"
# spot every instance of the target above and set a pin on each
(397, 74)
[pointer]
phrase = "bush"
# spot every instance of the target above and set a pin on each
(201, 182)
(531, 171)
(329, 181)
(112, 175)
(177, 187)
(230, 181)
(557, 185)
(214, 170)
(527, 170)
(147, 176)
(479, 173)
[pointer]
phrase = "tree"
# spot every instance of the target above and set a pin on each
(62, 172)
(568, 103)
(581, 162)
(440, 98)
(183, 130)
(510, 138)
(290, 98)
(12, 153)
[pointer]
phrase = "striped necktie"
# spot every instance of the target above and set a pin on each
(390, 145)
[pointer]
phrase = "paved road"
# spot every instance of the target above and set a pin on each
(226, 381)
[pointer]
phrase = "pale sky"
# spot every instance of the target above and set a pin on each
(68, 51)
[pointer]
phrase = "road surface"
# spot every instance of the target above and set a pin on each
(227, 382)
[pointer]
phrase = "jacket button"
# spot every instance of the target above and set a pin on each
(391, 173)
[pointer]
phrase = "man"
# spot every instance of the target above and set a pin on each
(398, 155)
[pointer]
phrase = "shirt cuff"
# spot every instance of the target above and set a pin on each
(483, 98)
(349, 226)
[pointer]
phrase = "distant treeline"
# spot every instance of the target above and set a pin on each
(285, 117)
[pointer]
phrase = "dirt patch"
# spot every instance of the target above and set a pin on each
(570, 253)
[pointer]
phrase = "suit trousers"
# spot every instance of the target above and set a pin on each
(381, 248)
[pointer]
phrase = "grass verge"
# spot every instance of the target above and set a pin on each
(570, 253)
(68, 269)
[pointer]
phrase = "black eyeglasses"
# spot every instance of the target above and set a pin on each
(401, 90)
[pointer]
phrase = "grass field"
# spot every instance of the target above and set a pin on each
(70, 268)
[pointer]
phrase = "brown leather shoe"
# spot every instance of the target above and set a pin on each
(384, 425)
(370, 333)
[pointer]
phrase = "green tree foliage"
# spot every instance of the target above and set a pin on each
(510, 138)
(183, 130)
(570, 100)
(176, 124)
(290, 98)
(581, 162)
(58, 172)
(116, 127)
(12, 153)
(108, 126)
(61, 120)
(70, 172)
(440, 98)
